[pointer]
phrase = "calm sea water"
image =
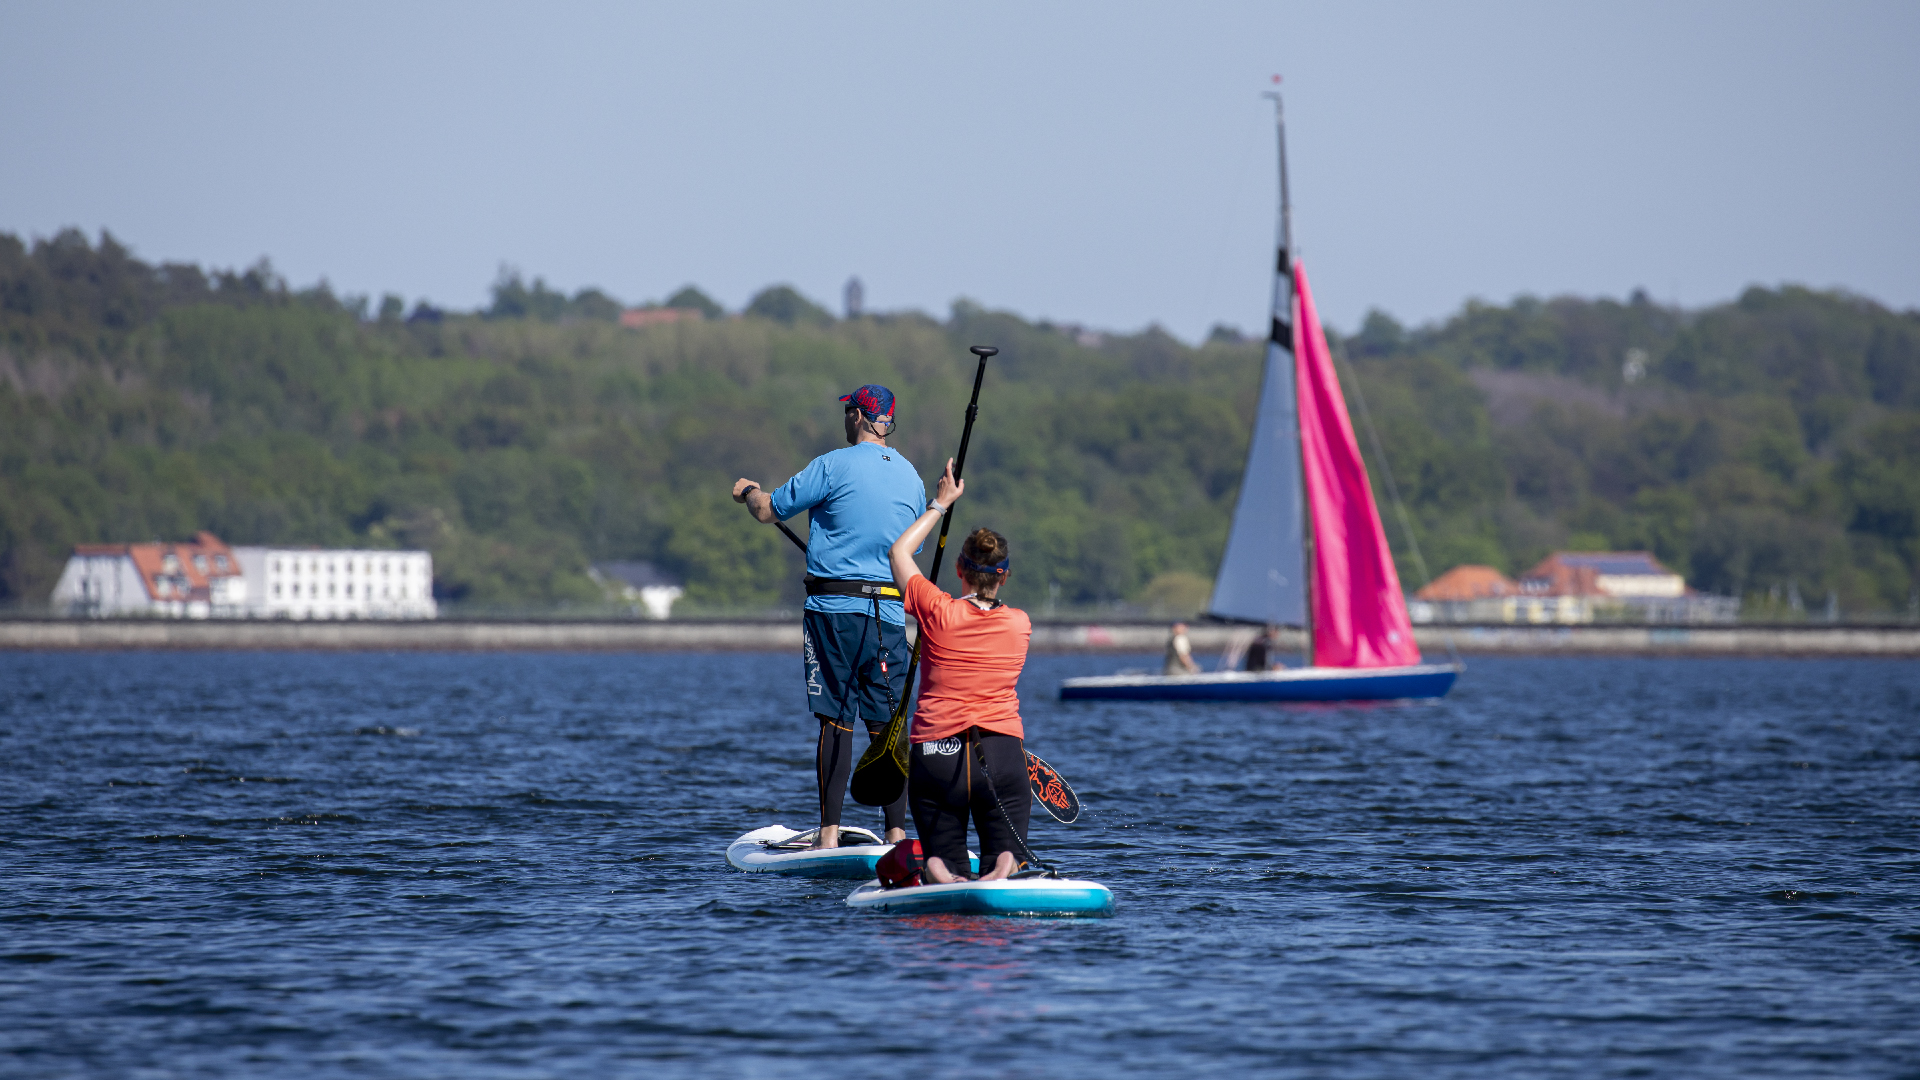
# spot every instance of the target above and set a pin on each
(510, 866)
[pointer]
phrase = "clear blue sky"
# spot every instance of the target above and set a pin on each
(1106, 163)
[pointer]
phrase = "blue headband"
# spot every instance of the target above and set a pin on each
(998, 568)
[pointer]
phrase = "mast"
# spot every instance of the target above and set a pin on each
(1281, 334)
(1263, 569)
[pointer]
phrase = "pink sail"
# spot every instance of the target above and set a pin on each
(1359, 615)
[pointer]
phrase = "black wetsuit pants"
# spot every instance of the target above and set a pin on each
(833, 761)
(948, 783)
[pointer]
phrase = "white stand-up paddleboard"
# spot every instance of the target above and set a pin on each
(1031, 896)
(777, 849)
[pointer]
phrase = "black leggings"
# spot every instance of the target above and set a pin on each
(833, 761)
(947, 785)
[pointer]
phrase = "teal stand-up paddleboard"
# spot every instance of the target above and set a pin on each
(1029, 896)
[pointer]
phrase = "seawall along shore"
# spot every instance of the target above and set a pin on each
(1132, 637)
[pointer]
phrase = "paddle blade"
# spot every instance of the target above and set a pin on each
(1052, 791)
(881, 774)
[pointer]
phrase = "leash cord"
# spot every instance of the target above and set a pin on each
(994, 790)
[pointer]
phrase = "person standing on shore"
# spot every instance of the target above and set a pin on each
(860, 498)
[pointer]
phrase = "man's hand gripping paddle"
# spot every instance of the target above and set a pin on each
(781, 525)
(881, 775)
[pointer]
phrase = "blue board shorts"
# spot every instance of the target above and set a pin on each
(856, 665)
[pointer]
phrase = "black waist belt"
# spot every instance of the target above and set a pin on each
(820, 586)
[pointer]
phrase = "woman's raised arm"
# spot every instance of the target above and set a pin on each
(901, 553)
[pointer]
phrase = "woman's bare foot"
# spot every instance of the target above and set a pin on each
(1002, 866)
(829, 837)
(938, 872)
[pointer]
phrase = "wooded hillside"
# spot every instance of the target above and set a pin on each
(1769, 447)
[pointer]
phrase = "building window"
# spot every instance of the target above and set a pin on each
(276, 590)
(220, 563)
(349, 588)
(200, 563)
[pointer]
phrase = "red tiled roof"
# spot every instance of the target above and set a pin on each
(151, 561)
(1468, 583)
(636, 318)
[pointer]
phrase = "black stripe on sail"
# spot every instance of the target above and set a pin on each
(1283, 265)
(1281, 334)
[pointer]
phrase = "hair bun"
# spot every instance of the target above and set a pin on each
(983, 548)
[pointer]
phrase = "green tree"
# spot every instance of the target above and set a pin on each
(783, 304)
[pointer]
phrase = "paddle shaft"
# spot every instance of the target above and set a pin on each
(782, 526)
(946, 519)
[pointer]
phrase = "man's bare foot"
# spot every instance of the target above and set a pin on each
(1002, 866)
(829, 837)
(937, 870)
(894, 836)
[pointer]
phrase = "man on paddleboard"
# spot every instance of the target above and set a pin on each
(859, 499)
(969, 756)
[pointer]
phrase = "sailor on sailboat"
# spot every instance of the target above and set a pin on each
(1304, 499)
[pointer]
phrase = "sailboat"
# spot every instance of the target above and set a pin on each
(1306, 548)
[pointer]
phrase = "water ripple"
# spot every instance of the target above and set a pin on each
(509, 866)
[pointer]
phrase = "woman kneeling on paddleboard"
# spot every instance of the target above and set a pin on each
(968, 743)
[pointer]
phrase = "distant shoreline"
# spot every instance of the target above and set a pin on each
(459, 635)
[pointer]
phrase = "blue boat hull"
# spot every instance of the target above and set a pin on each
(1294, 684)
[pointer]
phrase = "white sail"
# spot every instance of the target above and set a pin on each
(1263, 574)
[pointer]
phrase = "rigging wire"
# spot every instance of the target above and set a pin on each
(1393, 489)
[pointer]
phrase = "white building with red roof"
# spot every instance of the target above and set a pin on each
(195, 580)
(208, 579)
(1571, 587)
